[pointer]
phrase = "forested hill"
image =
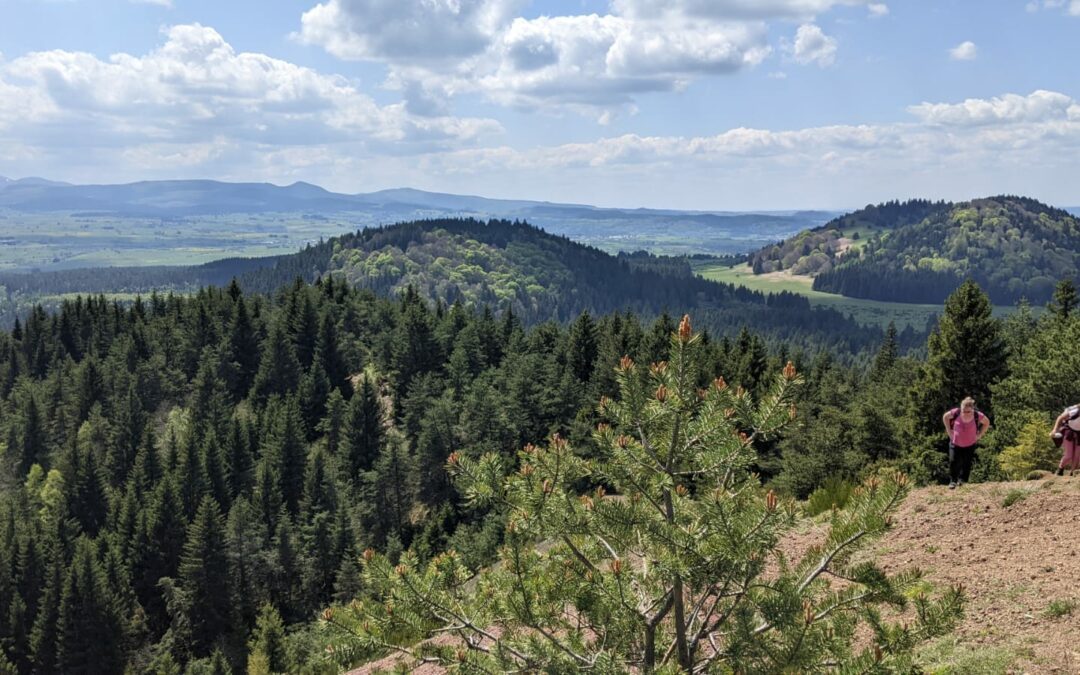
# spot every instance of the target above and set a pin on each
(499, 264)
(920, 251)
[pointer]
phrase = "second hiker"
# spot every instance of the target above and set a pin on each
(965, 426)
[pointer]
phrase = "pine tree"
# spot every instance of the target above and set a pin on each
(332, 426)
(886, 356)
(243, 349)
(32, 436)
(581, 347)
(672, 577)
(328, 355)
(204, 579)
(287, 450)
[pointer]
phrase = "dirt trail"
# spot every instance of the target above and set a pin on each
(1019, 564)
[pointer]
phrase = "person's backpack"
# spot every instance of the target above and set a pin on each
(978, 420)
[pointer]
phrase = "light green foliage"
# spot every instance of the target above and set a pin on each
(1032, 451)
(834, 493)
(667, 573)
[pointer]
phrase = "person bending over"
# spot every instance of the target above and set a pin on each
(965, 426)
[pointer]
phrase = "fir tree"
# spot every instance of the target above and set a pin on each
(204, 579)
(89, 630)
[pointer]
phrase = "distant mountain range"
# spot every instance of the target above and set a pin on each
(669, 231)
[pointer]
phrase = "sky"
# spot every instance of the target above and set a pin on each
(690, 104)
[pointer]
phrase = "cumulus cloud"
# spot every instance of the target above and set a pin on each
(1039, 106)
(813, 46)
(965, 51)
(597, 64)
(878, 9)
(194, 87)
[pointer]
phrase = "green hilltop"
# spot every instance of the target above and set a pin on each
(920, 251)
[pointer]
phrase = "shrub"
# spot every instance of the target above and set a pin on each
(1060, 608)
(1033, 450)
(1013, 497)
(835, 492)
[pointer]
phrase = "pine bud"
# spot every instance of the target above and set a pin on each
(729, 413)
(792, 412)
(526, 470)
(604, 402)
(586, 501)
(626, 364)
(789, 371)
(901, 479)
(616, 567)
(743, 438)
(658, 368)
(701, 394)
(453, 459)
(558, 442)
(548, 487)
(603, 428)
(661, 393)
(720, 384)
(328, 614)
(400, 570)
(739, 392)
(369, 554)
(529, 449)
(600, 492)
(460, 655)
(808, 612)
(681, 490)
(588, 575)
(770, 501)
(684, 329)
(622, 441)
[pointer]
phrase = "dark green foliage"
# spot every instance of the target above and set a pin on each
(967, 356)
(204, 581)
(89, 634)
(1013, 247)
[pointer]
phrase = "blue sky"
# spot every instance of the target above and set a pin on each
(710, 104)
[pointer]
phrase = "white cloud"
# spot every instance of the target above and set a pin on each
(1071, 7)
(194, 87)
(965, 51)
(812, 45)
(1039, 106)
(878, 9)
(159, 3)
(596, 64)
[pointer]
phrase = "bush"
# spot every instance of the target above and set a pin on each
(1013, 497)
(834, 492)
(1033, 450)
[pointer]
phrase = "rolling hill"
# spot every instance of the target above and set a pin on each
(242, 216)
(920, 251)
(498, 263)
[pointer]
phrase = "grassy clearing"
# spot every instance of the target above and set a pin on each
(867, 312)
(1060, 608)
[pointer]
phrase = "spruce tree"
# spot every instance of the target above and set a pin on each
(268, 640)
(279, 371)
(966, 357)
(1065, 299)
(364, 429)
(89, 633)
(204, 580)
(674, 575)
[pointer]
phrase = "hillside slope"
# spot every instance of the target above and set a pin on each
(1014, 562)
(920, 251)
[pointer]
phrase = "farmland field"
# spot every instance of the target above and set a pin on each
(864, 311)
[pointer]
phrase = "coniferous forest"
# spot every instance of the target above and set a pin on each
(190, 482)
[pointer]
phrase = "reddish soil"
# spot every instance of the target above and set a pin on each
(1013, 561)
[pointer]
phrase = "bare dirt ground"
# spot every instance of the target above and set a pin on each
(1018, 564)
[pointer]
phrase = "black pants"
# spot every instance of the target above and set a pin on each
(960, 460)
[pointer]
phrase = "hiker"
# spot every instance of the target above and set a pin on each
(965, 426)
(1066, 433)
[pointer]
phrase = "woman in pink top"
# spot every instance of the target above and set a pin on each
(1068, 425)
(965, 427)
